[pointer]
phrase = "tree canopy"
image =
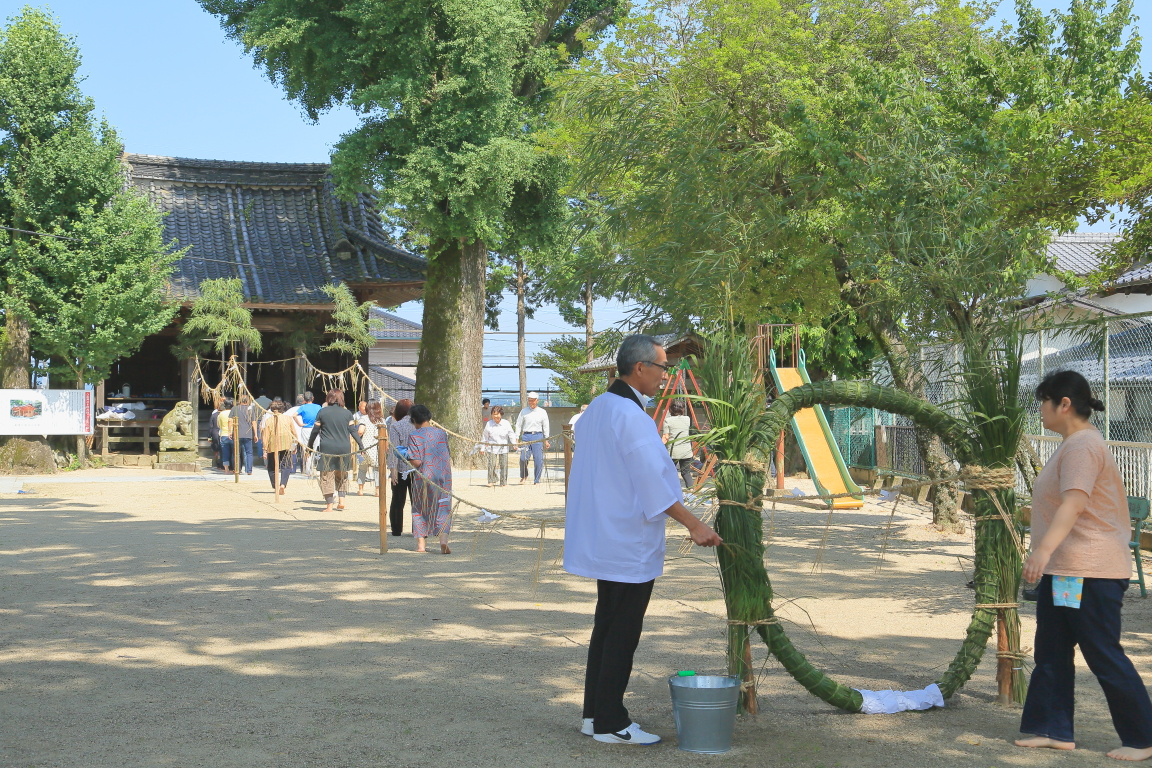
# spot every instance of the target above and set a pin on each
(218, 314)
(91, 287)
(450, 98)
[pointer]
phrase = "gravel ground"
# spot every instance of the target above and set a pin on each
(202, 624)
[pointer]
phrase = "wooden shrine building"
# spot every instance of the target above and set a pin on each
(280, 229)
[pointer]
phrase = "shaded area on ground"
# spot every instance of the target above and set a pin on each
(204, 624)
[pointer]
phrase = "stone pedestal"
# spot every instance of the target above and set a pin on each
(177, 457)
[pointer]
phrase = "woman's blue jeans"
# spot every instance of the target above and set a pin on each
(1095, 627)
(226, 451)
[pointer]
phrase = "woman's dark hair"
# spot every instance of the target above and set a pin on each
(402, 408)
(375, 412)
(420, 414)
(226, 404)
(1069, 384)
(277, 406)
(497, 409)
(335, 397)
(676, 409)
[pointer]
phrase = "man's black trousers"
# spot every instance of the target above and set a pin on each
(396, 504)
(620, 609)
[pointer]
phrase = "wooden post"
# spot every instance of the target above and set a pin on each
(381, 469)
(780, 462)
(566, 436)
(192, 395)
(275, 457)
(1003, 661)
(749, 678)
(881, 447)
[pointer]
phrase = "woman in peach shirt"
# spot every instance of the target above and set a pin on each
(1080, 556)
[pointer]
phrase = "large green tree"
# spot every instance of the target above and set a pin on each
(82, 262)
(783, 160)
(450, 98)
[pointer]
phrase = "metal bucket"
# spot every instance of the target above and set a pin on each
(705, 710)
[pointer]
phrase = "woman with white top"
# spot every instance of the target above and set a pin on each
(369, 418)
(498, 437)
(675, 434)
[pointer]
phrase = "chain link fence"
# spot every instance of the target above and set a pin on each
(1114, 354)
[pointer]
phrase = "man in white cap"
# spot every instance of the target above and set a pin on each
(622, 490)
(532, 428)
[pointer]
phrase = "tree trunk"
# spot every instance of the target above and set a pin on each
(81, 440)
(908, 376)
(945, 513)
(449, 371)
(589, 334)
(521, 314)
(15, 359)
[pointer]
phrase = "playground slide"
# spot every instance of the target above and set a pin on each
(825, 464)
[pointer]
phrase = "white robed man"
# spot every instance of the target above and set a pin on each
(622, 489)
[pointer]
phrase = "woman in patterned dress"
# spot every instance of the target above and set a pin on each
(428, 454)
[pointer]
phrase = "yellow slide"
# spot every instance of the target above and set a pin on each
(825, 464)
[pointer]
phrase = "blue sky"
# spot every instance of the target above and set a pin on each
(166, 78)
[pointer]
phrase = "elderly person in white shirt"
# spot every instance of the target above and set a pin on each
(532, 428)
(497, 440)
(622, 489)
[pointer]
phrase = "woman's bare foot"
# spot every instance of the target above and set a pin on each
(328, 509)
(360, 491)
(281, 490)
(444, 549)
(1130, 754)
(340, 506)
(489, 485)
(1043, 742)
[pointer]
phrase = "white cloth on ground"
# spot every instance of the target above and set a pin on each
(622, 482)
(891, 702)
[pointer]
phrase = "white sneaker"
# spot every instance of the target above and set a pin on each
(586, 727)
(630, 735)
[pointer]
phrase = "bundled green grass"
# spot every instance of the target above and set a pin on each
(742, 436)
(996, 417)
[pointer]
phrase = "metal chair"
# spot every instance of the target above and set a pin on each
(1138, 512)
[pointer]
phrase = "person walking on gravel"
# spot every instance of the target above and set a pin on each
(532, 428)
(1080, 556)
(622, 489)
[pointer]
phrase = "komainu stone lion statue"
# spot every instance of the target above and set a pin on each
(176, 429)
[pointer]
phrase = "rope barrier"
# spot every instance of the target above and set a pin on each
(757, 623)
(234, 375)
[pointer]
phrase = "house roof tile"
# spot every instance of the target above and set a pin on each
(1079, 252)
(390, 326)
(273, 225)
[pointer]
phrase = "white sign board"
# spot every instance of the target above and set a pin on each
(45, 412)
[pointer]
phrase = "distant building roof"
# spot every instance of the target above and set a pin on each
(1129, 357)
(398, 387)
(1079, 252)
(607, 362)
(275, 226)
(391, 326)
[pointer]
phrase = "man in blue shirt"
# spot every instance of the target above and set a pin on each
(307, 414)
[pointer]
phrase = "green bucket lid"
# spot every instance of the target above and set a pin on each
(686, 673)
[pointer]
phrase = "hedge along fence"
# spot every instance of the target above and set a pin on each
(748, 588)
